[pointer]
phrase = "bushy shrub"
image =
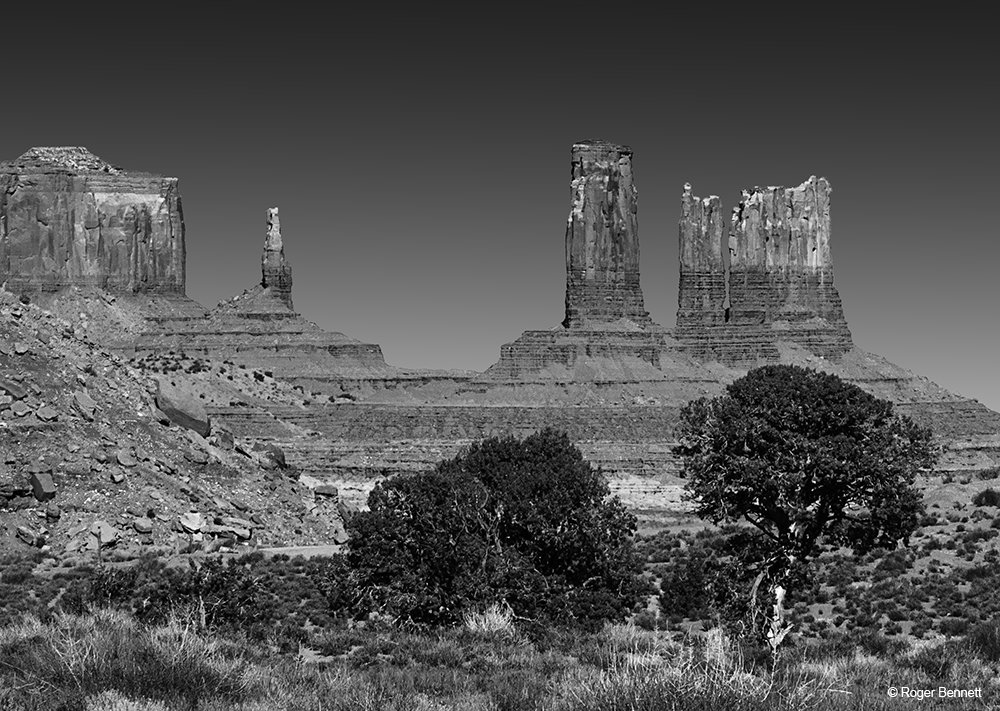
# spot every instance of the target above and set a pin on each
(953, 626)
(525, 521)
(987, 497)
(984, 640)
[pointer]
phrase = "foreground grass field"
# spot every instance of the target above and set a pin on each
(106, 661)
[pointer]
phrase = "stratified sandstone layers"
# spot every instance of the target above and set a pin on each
(602, 238)
(276, 272)
(771, 280)
(68, 218)
(607, 335)
(260, 329)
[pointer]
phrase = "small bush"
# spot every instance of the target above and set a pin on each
(952, 626)
(991, 473)
(987, 497)
(984, 640)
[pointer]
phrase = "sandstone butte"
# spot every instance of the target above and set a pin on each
(105, 247)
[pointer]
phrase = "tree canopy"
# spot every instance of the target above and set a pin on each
(525, 521)
(807, 459)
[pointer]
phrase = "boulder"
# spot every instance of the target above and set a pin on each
(270, 456)
(85, 404)
(234, 522)
(327, 490)
(104, 533)
(27, 536)
(42, 486)
(46, 414)
(339, 534)
(126, 458)
(182, 406)
(77, 467)
(224, 439)
(191, 522)
(196, 456)
(143, 526)
(13, 488)
(16, 391)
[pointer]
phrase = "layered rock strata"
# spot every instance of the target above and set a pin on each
(260, 329)
(770, 280)
(756, 288)
(602, 238)
(68, 218)
(607, 334)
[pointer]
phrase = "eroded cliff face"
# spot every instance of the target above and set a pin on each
(68, 218)
(770, 280)
(602, 238)
(607, 335)
(260, 328)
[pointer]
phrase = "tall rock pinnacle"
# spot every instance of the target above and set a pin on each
(276, 273)
(602, 238)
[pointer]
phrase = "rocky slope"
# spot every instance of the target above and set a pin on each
(88, 462)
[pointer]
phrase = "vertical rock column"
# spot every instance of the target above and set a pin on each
(703, 294)
(276, 272)
(602, 238)
(770, 281)
(782, 267)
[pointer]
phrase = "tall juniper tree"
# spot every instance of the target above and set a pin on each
(810, 461)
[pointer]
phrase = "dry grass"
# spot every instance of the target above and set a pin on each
(495, 620)
(105, 661)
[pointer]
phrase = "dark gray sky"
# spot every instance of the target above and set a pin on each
(421, 164)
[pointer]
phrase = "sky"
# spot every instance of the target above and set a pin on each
(421, 163)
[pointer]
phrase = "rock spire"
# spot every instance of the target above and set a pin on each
(276, 272)
(602, 238)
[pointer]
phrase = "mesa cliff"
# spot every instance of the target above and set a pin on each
(68, 218)
(755, 288)
(765, 279)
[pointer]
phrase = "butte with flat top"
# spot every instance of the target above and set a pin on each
(83, 236)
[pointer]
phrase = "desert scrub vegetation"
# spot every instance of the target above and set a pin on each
(107, 660)
(526, 522)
